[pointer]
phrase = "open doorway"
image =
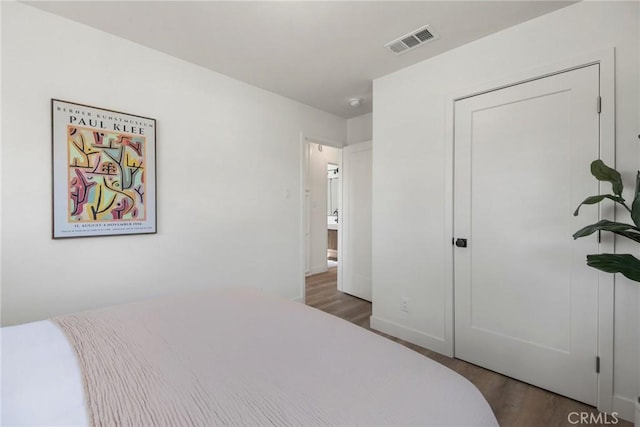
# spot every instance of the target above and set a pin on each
(323, 201)
(337, 201)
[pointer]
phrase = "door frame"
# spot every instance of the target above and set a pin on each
(304, 249)
(606, 282)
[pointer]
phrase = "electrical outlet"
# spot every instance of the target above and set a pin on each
(404, 304)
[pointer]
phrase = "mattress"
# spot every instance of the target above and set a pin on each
(292, 364)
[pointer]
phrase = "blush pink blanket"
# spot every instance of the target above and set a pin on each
(239, 357)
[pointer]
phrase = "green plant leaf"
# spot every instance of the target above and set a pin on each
(603, 172)
(630, 235)
(592, 200)
(606, 225)
(635, 206)
(625, 230)
(626, 264)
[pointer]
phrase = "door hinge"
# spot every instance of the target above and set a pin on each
(599, 104)
(599, 236)
(597, 364)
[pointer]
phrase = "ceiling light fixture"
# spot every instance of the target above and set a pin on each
(355, 102)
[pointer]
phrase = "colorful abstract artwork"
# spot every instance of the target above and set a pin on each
(106, 175)
(103, 170)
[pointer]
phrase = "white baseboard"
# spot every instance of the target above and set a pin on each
(625, 408)
(411, 335)
(297, 299)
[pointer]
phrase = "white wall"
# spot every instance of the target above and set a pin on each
(409, 128)
(318, 185)
(228, 173)
(360, 129)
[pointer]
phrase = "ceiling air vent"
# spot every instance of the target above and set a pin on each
(411, 41)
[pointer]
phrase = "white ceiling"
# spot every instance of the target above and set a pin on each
(320, 53)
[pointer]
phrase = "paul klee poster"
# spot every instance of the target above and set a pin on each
(104, 174)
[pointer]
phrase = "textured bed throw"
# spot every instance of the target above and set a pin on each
(242, 358)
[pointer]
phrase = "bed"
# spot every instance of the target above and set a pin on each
(224, 357)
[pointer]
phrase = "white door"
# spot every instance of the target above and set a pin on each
(525, 302)
(356, 220)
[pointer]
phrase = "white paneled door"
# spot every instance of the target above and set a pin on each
(356, 222)
(525, 302)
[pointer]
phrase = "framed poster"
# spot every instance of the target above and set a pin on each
(104, 171)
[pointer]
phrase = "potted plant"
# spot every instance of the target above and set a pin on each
(625, 264)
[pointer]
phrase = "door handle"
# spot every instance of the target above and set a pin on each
(461, 243)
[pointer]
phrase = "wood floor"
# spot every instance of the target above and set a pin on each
(513, 402)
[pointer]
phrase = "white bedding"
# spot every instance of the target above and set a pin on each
(352, 376)
(40, 378)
